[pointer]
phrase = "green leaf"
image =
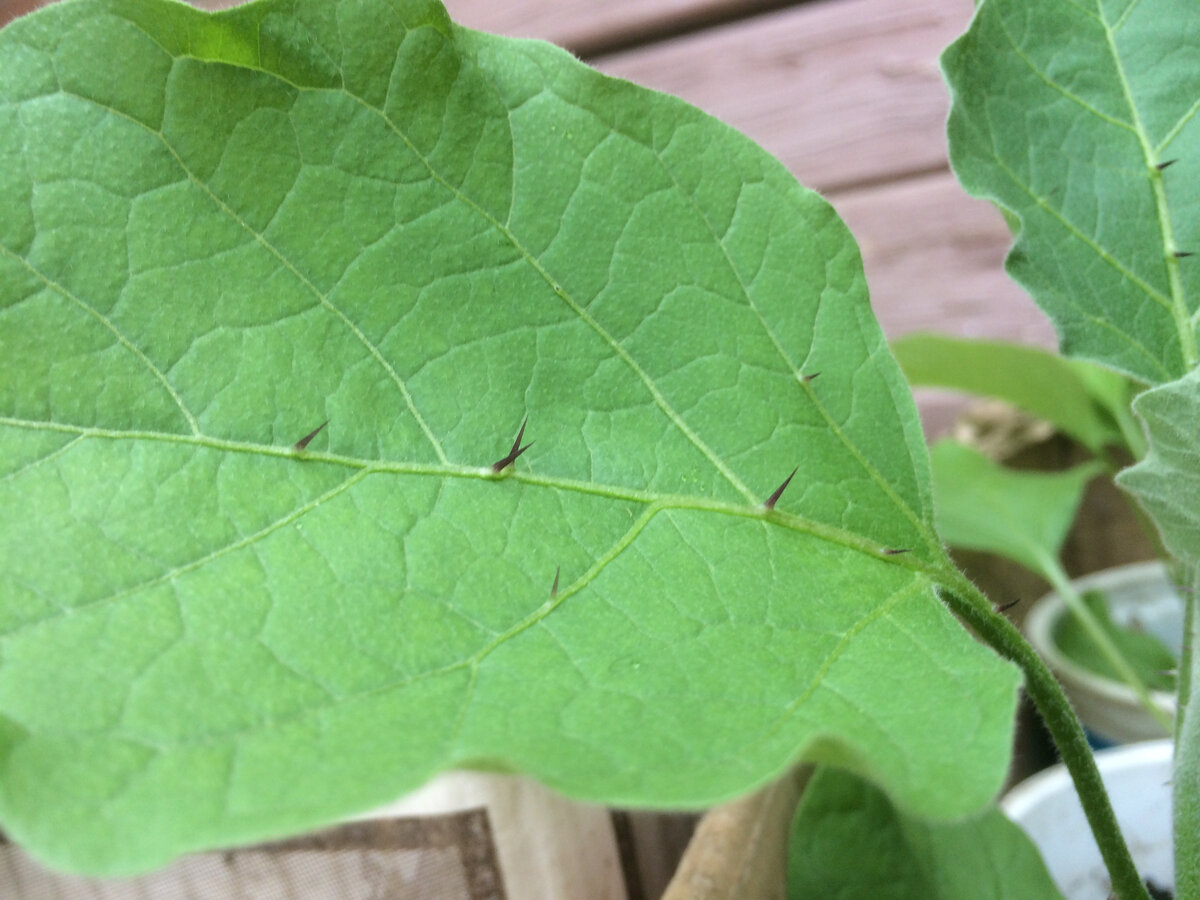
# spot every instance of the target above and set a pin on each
(1024, 516)
(849, 840)
(1075, 396)
(219, 231)
(1062, 113)
(1145, 653)
(1167, 481)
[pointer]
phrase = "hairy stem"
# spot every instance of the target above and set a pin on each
(966, 600)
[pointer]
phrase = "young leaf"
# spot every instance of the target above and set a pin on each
(1075, 396)
(850, 840)
(1024, 516)
(1062, 113)
(216, 228)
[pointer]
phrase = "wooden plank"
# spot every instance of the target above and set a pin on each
(511, 837)
(10, 9)
(844, 92)
(934, 259)
(587, 27)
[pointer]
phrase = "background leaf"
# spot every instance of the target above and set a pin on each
(848, 840)
(218, 232)
(1024, 516)
(1076, 397)
(1145, 653)
(1062, 113)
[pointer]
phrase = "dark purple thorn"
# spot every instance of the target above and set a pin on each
(554, 587)
(774, 498)
(304, 441)
(1180, 254)
(893, 552)
(807, 379)
(1007, 606)
(1163, 165)
(501, 464)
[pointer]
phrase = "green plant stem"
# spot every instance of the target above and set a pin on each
(1063, 587)
(1186, 779)
(966, 600)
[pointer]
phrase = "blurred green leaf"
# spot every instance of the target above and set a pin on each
(1024, 516)
(1077, 397)
(849, 840)
(1147, 655)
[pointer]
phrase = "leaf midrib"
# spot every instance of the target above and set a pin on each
(622, 493)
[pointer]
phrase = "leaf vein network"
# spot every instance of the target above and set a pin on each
(626, 357)
(116, 332)
(805, 383)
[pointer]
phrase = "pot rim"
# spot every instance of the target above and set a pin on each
(1046, 612)
(1112, 762)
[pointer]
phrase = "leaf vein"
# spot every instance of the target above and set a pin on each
(626, 357)
(806, 385)
(242, 543)
(755, 510)
(116, 332)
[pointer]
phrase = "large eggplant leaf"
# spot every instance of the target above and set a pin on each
(849, 840)
(218, 232)
(1080, 118)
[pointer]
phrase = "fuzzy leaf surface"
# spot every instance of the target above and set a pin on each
(219, 231)
(1167, 481)
(1063, 113)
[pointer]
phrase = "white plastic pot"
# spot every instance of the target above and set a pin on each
(1139, 594)
(1137, 777)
